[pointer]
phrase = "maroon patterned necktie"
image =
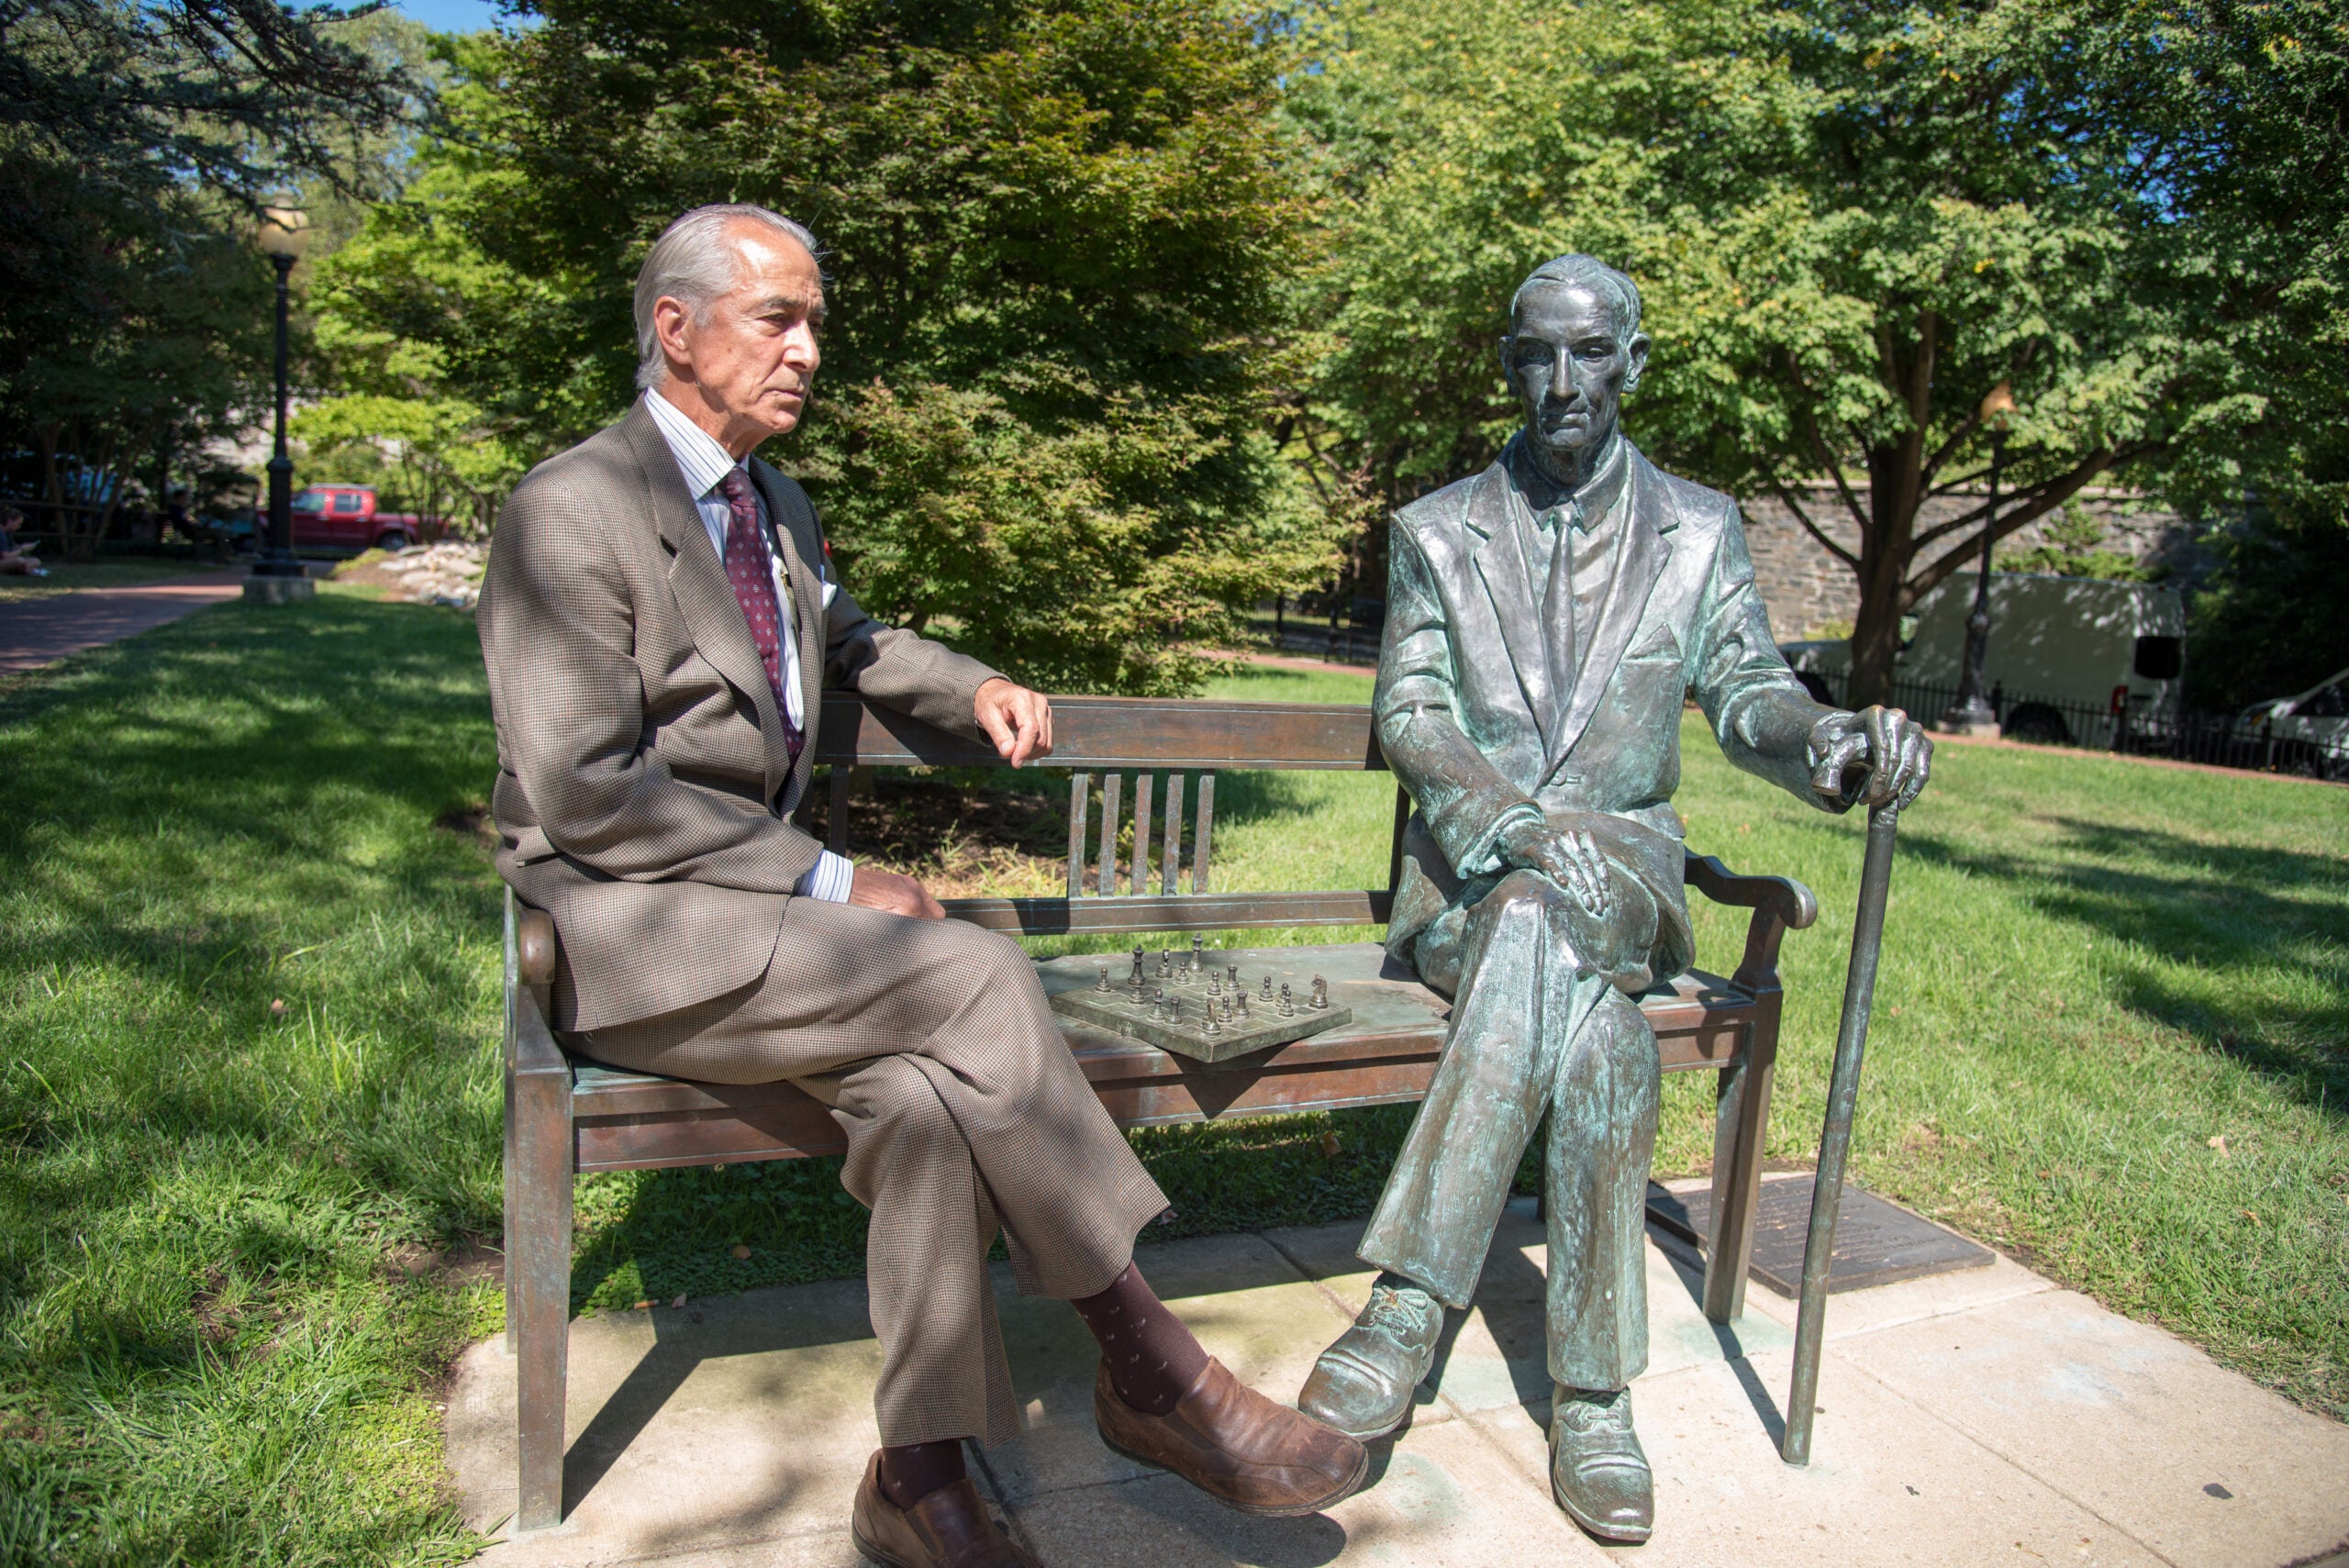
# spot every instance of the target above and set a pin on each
(751, 571)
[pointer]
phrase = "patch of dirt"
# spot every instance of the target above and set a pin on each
(471, 1260)
(469, 822)
(217, 1321)
(961, 843)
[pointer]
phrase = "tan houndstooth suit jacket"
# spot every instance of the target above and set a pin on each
(644, 783)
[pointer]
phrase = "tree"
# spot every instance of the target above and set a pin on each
(109, 108)
(170, 355)
(1850, 223)
(1056, 235)
(136, 140)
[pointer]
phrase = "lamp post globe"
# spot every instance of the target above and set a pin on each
(283, 235)
(1972, 714)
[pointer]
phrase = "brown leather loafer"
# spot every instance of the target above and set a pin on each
(949, 1529)
(1240, 1448)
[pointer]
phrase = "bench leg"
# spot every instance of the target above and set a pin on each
(1741, 1129)
(537, 1278)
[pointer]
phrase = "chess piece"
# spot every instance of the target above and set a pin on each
(1232, 976)
(1196, 944)
(1289, 1006)
(1102, 983)
(1241, 1007)
(1214, 1026)
(1320, 992)
(1268, 988)
(1165, 963)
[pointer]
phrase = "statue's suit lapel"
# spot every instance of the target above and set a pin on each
(697, 577)
(1646, 550)
(1501, 567)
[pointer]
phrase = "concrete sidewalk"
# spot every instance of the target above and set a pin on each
(34, 632)
(1982, 1416)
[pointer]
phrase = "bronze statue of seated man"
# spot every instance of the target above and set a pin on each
(1544, 620)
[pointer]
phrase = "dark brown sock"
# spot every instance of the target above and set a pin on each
(911, 1472)
(1153, 1357)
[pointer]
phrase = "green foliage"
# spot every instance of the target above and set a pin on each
(1850, 223)
(164, 351)
(394, 393)
(134, 140)
(2269, 626)
(1056, 236)
(2073, 547)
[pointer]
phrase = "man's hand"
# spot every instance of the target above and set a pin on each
(1886, 741)
(893, 895)
(1572, 860)
(1018, 720)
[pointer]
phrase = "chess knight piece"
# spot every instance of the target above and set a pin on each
(1544, 619)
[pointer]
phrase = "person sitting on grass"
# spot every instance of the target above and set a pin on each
(16, 560)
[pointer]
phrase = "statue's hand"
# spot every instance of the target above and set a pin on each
(1889, 745)
(1570, 859)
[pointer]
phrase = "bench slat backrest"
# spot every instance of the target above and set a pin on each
(1133, 744)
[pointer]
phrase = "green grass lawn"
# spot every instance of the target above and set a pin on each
(221, 1327)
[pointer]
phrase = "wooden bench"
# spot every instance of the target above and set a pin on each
(566, 1115)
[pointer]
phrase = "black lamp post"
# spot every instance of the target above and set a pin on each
(1972, 713)
(277, 577)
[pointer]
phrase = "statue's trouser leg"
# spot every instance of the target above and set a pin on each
(1521, 998)
(1602, 1138)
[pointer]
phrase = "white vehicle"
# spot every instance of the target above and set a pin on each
(2066, 655)
(2307, 734)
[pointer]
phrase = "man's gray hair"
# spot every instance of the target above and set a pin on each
(694, 262)
(1592, 274)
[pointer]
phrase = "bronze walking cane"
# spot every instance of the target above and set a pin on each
(1835, 1141)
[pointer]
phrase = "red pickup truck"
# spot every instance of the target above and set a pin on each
(343, 516)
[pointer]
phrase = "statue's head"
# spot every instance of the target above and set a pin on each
(1574, 349)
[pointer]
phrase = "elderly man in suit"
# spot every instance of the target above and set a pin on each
(659, 618)
(1544, 620)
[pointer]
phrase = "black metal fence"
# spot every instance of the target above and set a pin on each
(2225, 740)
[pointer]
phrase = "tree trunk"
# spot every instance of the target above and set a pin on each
(1886, 546)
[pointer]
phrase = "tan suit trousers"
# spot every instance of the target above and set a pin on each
(965, 1114)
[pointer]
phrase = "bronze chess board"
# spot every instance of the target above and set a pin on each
(1201, 1005)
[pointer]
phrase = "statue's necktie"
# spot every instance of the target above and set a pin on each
(1560, 634)
(750, 569)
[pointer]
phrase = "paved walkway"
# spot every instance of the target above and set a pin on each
(34, 632)
(1983, 1417)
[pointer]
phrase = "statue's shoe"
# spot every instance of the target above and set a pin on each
(1362, 1385)
(1599, 1473)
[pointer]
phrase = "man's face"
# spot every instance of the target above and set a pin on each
(1569, 372)
(752, 357)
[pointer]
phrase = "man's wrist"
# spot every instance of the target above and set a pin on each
(829, 880)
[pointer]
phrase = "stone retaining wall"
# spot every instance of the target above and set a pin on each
(1806, 587)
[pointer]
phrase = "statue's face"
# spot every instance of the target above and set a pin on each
(1569, 369)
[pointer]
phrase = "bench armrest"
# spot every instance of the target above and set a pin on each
(529, 970)
(1780, 905)
(534, 947)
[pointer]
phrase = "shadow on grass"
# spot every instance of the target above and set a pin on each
(654, 1235)
(2234, 914)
